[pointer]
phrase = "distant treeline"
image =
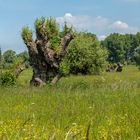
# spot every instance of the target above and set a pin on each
(88, 55)
(10, 59)
(122, 48)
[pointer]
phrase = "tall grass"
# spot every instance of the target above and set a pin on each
(102, 107)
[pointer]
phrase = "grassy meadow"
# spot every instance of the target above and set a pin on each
(105, 107)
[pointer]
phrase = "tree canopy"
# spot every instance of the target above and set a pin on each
(121, 47)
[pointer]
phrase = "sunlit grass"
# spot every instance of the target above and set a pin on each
(104, 107)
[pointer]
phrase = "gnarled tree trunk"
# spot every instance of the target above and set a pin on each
(44, 60)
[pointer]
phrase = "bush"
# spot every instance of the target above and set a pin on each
(85, 55)
(64, 68)
(7, 79)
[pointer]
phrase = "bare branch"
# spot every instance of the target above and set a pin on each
(55, 79)
(64, 44)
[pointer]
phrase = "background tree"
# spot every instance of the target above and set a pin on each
(24, 58)
(48, 49)
(132, 43)
(121, 48)
(115, 46)
(137, 56)
(9, 58)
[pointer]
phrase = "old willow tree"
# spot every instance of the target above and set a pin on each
(47, 51)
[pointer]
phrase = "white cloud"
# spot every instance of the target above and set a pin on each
(100, 22)
(119, 25)
(83, 22)
(122, 27)
(98, 25)
(78, 22)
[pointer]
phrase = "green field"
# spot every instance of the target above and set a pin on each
(105, 107)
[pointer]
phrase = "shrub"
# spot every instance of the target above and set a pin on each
(85, 55)
(7, 79)
(64, 68)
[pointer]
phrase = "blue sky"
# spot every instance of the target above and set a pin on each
(101, 17)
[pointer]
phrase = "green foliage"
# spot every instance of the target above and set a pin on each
(23, 58)
(121, 48)
(26, 34)
(54, 43)
(52, 32)
(137, 56)
(64, 68)
(52, 28)
(66, 29)
(49, 29)
(137, 51)
(115, 45)
(85, 55)
(9, 58)
(39, 27)
(7, 79)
